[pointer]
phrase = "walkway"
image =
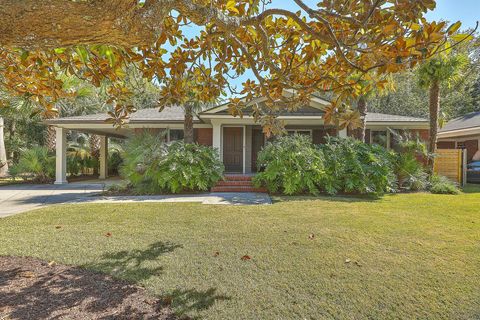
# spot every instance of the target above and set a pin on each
(25, 197)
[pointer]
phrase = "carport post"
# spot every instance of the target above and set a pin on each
(61, 156)
(103, 157)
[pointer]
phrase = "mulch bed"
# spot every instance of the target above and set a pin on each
(35, 289)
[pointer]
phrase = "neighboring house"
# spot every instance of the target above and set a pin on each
(462, 133)
(238, 139)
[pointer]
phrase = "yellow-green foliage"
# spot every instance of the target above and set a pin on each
(153, 166)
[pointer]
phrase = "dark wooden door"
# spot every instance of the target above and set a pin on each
(233, 149)
(258, 141)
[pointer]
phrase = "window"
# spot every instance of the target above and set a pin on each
(175, 134)
(395, 139)
(380, 138)
(300, 132)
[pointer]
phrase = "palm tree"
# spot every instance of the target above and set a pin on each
(432, 75)
(190, 107)
(3, 152)
(362, 108)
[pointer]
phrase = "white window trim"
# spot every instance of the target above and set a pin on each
(295, 131)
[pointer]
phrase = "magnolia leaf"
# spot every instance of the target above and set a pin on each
(454, 27)
(231, 7)
(462, 37)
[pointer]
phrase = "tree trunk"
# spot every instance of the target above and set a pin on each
(51, 138)
(3, 152)
(94, 142)
(362, 108)
(434, 108)
(188, 124)
(11, 134)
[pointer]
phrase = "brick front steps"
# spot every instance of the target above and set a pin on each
(236, 183)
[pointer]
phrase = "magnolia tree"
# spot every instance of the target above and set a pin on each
(334, 46)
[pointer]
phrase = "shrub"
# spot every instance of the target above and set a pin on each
(442, 185)
(36, 162)
(291, 164)
(352, 166)
(153, 166)
(114, 162)
(410, 172)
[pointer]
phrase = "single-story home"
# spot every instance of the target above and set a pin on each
(238, 139)
(462, 133)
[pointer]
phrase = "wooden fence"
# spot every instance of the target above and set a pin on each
(451, 163)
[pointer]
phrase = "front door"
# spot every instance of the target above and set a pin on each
(233, 149)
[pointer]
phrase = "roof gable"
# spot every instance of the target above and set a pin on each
(315, 102)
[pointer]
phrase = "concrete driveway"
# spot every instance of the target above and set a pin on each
(18, 198)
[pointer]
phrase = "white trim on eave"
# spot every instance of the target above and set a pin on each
(228, 116)
(315, 102)
(460, 132)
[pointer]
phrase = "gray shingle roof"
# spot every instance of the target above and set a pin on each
(176, 114)
(470, 120)
(382, 117)
(168, 114)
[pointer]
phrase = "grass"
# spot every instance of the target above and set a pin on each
(8, 181)
(407, 256)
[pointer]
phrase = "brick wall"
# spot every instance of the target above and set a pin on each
(424, 134)
(204, 136)
(319, 135)
(446, 144)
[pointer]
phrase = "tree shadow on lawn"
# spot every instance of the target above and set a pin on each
(31, 288)
(130, 264)
(34, 289)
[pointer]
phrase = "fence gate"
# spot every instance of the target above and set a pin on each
(452, 163)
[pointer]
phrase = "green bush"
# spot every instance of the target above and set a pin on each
(114, 162)
(291, 165)
(79, 162)
(442, 185)
(37, 163)
(153, 166)
(352, 166)
(410, 172)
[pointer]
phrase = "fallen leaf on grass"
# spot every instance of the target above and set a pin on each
(151, 301)
(358, 264)
(216, 254)
(58, 227)
(108, 234)
(245, 258)
(167, 301)
(27, 274)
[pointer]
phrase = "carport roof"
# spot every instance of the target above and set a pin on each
(470, 120)
(151, 115)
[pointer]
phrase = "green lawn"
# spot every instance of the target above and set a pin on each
(7, 181)
(412, 256)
